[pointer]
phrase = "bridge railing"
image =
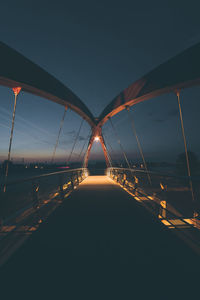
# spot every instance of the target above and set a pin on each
(169, 196)
(35, 191)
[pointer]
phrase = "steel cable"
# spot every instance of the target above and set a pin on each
(75, 141)
(10, 143)
(185, 145)
(84, 145)
(111, 148)
(119, 142)
(138, 142)
(59, 132)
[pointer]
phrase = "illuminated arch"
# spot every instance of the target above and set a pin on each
(17, 70)
(179, 72)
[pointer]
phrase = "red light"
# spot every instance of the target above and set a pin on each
(16, 90)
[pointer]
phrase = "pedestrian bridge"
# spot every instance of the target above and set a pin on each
(127, 217)
(98, 237)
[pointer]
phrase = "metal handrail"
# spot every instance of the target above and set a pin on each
(173, 215)
(154, 173)
(36, 181)
(138, 189)
(43, 175)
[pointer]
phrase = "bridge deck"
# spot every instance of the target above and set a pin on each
(100, 239)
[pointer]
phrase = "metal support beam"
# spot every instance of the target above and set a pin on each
(185, 145)
(16, 91)
(96, 136)
(59, 132)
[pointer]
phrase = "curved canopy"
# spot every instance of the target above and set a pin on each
(16, 70)
(179, 72)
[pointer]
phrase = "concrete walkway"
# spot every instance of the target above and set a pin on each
(101, 244)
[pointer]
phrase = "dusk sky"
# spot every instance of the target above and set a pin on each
(97, 49)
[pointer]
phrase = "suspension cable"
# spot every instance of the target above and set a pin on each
(84, 156)
(85, 142)
(119, 142)
(185, 145)
(82, 149)
(59, 132)
(16, 92)
(111, 148)
(75, 141)
(138, 142)
(109, 157)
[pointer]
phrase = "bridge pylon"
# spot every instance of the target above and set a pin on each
(96, 136)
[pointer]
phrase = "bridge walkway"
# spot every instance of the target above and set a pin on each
(101, 243)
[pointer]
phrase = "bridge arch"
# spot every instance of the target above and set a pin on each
(181, 71)
(17, 70)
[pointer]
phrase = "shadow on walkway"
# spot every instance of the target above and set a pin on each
(101, 244)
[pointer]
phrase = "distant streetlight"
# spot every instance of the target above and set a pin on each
(97, 139)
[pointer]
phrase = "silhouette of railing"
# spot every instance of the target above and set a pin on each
(169, 195)
(34, 192)
(173, 206)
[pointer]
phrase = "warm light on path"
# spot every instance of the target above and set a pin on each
(97, 180)
(96, 226)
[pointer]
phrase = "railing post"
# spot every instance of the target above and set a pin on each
(124, 179)
(77, 176)
(61, 192)
(163, 200)
(81, 175)
(72, 181)
(35, 189)
(136, 181)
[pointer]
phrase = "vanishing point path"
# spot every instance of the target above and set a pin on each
(100, 244)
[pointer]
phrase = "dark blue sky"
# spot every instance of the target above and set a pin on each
(97, 49)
